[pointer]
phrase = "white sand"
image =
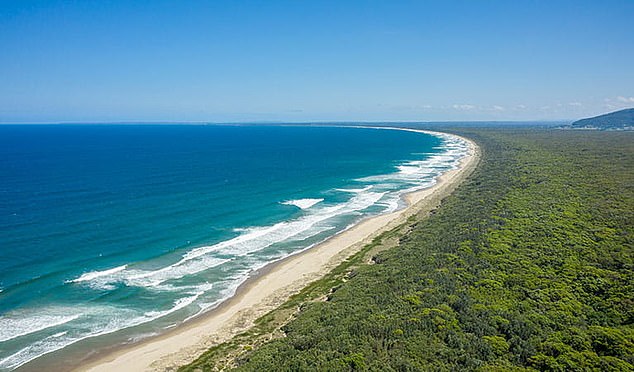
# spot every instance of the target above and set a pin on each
(261, 295)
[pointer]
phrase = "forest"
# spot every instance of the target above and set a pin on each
(528, 265)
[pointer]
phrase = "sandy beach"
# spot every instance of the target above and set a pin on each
(271, 288)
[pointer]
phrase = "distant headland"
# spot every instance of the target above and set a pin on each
(618, 120)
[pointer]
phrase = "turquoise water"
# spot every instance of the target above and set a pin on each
(119, 232)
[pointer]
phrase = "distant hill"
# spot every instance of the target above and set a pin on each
(619, 120)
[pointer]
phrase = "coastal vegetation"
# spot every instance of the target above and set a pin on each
(618, 120)
(528, 265)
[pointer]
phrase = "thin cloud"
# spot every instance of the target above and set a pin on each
(575, 104)
(625, 99)
(463, 107)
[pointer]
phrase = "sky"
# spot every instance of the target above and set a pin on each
(296, 60)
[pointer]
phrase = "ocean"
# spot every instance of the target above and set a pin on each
(113, 233)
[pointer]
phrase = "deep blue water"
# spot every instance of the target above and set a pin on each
(108, 228)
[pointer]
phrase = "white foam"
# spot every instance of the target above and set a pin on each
(31, 352)
(144, 336)
(180, 303)
(259, 238)
(303, 203)
(392, 204)
(99, 321)
(408, 169)
(97, 274)
(355, 191)
(420, 172)
(153, 278)
(142, 278)
(24, 324)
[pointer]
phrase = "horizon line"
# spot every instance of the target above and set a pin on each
(202, 122)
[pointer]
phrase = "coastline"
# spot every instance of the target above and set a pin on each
(272, 285)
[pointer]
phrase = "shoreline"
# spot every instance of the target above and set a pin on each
(271, 285)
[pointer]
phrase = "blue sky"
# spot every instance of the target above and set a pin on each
(100, 61)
